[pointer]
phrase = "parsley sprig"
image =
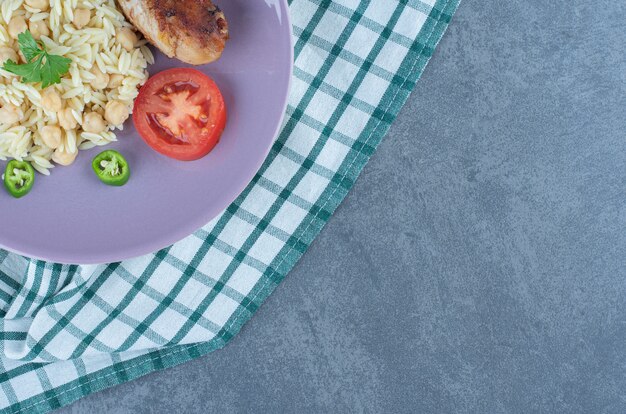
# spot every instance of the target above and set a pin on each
(42, 66)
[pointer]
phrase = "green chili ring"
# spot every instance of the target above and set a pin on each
(19, 177)
(111, 168)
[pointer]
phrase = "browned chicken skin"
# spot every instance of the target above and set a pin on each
(194, 31)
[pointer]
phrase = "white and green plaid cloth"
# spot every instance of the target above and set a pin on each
(68, 331)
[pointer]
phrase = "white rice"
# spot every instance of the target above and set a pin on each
(92, 45)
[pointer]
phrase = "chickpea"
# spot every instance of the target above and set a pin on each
(51, 100)
(116, 113)
(127, 38)
(17, 25)
(7, 53)
(93, 122)
(64, 157)
(102, 79)
(51, 136)
(115, 81)
(67, 120)
(38, 29)
(81, 18)
(39, 4)
(10, 114)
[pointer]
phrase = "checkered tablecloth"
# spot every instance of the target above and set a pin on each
(68, 331)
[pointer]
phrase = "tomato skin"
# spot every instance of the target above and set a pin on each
(202, 138)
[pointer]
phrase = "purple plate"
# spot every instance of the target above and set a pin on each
(70, 217)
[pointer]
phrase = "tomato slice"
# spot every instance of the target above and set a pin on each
(180, 113)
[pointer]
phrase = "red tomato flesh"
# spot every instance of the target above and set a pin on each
(180, 113)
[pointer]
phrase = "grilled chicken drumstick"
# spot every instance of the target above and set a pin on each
(194, 31)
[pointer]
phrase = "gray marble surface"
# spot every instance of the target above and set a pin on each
(479, 263)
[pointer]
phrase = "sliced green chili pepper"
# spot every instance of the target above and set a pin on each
(111, 168)
(19, 177)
